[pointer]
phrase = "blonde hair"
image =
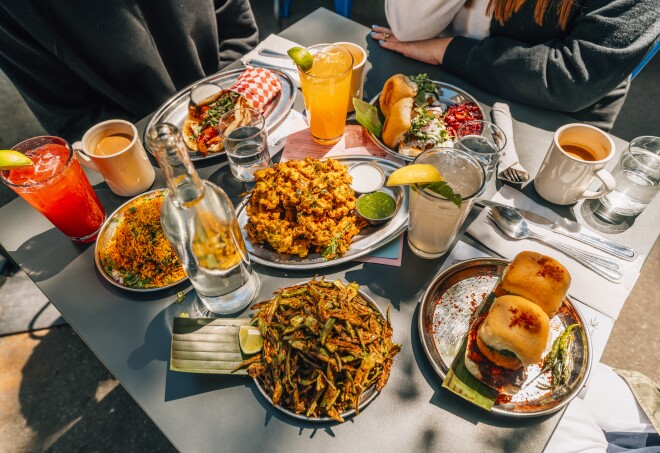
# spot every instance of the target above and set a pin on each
(502, 10)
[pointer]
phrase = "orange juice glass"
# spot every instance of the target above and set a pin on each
(326, 88)
(57, 187)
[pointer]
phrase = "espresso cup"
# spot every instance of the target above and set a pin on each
(357, 77)
(577, 157)
(113, 149)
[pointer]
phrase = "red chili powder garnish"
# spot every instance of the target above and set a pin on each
(528, 321)
(549, 270)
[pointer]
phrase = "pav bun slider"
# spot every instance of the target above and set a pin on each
(398, 122)
(538, 278)
(396, 88)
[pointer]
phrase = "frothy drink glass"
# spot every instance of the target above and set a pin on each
(434, 220)
(57, 187)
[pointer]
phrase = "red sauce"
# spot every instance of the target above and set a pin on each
(497, 376)
(461, 113)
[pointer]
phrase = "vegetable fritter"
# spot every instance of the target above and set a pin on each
(298, 206)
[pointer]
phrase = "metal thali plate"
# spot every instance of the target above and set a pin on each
(175, 109)
(447, 311)
(367, 396)
(107, 232)
(369, 239)
(449, 95)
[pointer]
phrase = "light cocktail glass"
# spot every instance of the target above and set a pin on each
(433, 220)
(326, 88)
(57, 187)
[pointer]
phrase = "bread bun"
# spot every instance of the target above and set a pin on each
(516, 325)
(188, 133)
(538, 278)
(398, 122)
(396, 88)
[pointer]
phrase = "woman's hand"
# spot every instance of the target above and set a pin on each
(430, 51)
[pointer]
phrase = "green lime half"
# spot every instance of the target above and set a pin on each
(13, 159)
(301, 57)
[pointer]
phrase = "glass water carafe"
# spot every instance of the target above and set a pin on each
(199, 220)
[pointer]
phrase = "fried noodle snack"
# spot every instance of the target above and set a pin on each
(301, 205)
(324, 345)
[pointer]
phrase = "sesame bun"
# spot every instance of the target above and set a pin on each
(538, 278)
(516, 325)
(398, 123)
(396, 88)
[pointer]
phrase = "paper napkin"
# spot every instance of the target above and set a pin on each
(586, 286)
(508, 157)
(278, 44)
(258, 85)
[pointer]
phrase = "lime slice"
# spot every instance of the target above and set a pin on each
(301, 57)
(13, 159)
(414, 174)
(249, 337)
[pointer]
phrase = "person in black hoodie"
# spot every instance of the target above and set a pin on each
(79, 62)
(573, 56)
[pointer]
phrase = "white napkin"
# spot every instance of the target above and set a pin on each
(294, 122)
(586, 286)
(508, 157)
(278, 44)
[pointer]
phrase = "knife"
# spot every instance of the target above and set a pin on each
(572, 230)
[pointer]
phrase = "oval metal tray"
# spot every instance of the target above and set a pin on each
(445, 316)
(369, 239)
(108, 230)
(367, 396)
(449, 95)
(175, 109)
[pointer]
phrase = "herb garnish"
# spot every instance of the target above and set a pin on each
(426, 87)
(444, 189)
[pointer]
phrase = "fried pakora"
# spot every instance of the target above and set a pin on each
(298, 206)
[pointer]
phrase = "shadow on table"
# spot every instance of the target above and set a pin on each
(70, 402)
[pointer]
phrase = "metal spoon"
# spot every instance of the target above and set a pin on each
(513, 225)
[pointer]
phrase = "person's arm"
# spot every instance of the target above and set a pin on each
(237, 29)
(413, 20)
(603, 46)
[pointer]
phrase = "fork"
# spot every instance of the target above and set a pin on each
(518, 229)
(514, 176)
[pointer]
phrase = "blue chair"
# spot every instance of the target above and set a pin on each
(646, 59)
(283, 8)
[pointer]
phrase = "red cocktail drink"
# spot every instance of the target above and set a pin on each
(57, 187)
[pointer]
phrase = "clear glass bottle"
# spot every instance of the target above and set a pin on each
(199, 220)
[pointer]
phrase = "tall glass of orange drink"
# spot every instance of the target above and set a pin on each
(326, 87)
(57, 187)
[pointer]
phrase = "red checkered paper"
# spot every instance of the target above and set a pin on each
(258, 85)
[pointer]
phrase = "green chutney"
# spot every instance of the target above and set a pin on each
(376, 205)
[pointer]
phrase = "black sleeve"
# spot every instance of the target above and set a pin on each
(602, 47)
(237, 29)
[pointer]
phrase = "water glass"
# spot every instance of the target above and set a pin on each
(637, 176)
(246, 142)
(482, 140)
(57, 187)
(434, 220)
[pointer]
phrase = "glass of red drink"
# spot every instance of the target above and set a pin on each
(57, 187)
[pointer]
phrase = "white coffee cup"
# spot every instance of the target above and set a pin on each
(357, 77)
(577, 156)
(113, 149)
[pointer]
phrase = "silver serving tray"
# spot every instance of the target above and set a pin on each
(449, 95)
(175, 109)
(367, 396)
(106, 233)
(369, 239)
(445, 317)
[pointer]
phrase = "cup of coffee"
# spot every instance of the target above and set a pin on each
(357, 78)
(577, 157)
(113, 149)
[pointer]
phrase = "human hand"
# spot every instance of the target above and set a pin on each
(431, 51)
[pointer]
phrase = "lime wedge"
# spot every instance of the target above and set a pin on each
(249, 337)
(13, 159)
(301, 57)
(414, 174)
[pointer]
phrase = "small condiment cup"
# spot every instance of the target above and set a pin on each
(367, 177)
(397, 205)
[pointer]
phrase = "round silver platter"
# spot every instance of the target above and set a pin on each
(175, 109)
(108, 230)
(369, 239)
(449, 95)
(367, 396)
(446, 313)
